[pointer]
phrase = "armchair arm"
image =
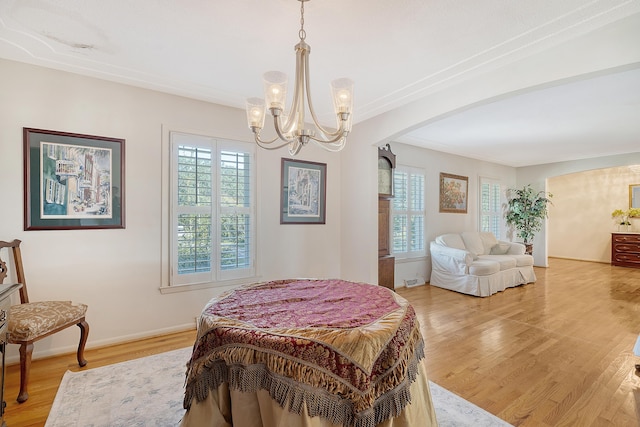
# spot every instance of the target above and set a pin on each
(515, 248)
(455, 261)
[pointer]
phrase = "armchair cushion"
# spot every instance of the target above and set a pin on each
(500, 248)
(473, 242)
(29, 321)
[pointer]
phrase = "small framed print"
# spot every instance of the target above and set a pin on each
(453, 193)
(72, 181)
(304, 192)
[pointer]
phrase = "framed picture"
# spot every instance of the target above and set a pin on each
(72, 181)
(634, 196)
(453, 193)
(304, 192)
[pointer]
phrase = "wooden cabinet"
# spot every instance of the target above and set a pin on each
(386, 263)
(386, 272)
(5, 304)
(384, 218)
(625, 249)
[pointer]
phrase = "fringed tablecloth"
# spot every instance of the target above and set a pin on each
(344, 352)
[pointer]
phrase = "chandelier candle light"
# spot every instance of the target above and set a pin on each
(290, 126)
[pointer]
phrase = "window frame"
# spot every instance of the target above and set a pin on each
(491, 213)
(410, 213)
(217, 276)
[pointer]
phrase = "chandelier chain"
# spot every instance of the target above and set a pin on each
(302, 33)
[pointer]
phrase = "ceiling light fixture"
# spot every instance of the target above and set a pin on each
(290, 126)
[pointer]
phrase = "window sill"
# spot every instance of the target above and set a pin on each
(223, 285)
(411, 259)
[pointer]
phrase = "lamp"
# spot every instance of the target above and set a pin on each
(290, 127)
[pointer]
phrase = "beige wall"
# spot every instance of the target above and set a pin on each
(580, 221)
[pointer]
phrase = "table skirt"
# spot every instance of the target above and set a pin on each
(259, 410)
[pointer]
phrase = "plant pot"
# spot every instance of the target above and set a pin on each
(528, 248)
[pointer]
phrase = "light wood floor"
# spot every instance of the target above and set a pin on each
(554, 353)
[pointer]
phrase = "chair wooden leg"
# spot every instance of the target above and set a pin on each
(26, 350)
(84, 334)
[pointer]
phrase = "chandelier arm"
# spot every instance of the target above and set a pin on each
(294, 147)
(307, 79)
(332, 147)
(295, 106)
(279, 131)
(332, 138)
(266, 144)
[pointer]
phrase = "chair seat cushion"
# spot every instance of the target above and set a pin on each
(30, 321)
(484, 267)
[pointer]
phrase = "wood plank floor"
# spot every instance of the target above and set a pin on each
(555, 353)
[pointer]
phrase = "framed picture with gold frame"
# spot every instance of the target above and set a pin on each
(634, 196)
(454, 193)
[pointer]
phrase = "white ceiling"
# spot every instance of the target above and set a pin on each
(397, 52)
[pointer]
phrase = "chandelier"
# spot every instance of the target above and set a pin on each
(290, 126)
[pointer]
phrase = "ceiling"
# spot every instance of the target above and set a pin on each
(397, 52)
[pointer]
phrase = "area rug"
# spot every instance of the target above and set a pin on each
(148, 392)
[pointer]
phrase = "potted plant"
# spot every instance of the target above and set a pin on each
(526, 210)
(622, 218)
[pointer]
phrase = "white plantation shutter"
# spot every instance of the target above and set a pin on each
(491, 207)
(408, 213)
(213, 210)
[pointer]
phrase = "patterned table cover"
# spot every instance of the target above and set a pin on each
(343, 351)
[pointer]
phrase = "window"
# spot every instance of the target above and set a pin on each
(408, 213)
(491, 206)
(213, 215)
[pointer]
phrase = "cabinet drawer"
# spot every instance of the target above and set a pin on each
(627, 258)
(626, 238)
(627, 247)
(5, 304)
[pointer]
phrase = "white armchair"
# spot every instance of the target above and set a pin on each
(476, 263)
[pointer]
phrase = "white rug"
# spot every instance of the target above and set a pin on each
(148, 392)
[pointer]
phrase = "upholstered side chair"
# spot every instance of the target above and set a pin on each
(31, 321)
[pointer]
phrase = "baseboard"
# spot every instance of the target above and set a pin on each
(59, 351)
(581, 259)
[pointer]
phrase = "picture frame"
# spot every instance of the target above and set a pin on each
(634, 196)
(454, 193)
(304, 192)
(73, 181)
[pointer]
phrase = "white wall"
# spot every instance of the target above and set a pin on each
(118, 272)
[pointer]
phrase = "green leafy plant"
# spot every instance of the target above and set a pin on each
(526, 210)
